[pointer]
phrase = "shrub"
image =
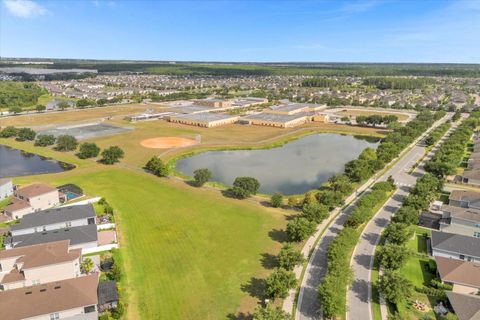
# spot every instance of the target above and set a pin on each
(66, 143)
(315, 212)
(300, 228)
(276, 200)
(26, 134)
(157, 167)
(111, 155)
(8, 132)
(201, 176)
(88, 150)
(279, 283)
(289, 258)
(44, 140)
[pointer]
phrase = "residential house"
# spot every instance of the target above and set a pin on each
(34, 197)
(83, 237)
(466, 306)
(55, 218)
(74, 298)
(6, 188)
(107, 296)
(455, 246)
(462, 214)
(464, 276)
(471, 176)
(38, 264)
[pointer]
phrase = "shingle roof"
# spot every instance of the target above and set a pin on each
(35, 189)
(456, 243)
(459, 271)
(76, 235)
(470, 214)
(55, 215)
(464, 195)
(48, 298)
(107, 292)
(17, 205)
(466, 306)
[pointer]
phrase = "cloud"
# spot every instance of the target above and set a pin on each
(25, 8)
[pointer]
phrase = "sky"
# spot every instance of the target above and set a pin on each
(243, 31)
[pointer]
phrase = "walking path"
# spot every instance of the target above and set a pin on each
(308, 305)
(359, 295)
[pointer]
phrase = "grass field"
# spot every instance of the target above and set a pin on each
(359, 112)
(187, 251)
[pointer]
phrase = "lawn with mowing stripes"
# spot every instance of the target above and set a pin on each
(187, 251)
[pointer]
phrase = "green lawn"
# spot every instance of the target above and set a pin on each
(187, 251)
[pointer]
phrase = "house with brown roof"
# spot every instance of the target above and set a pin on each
(466, 306)
(32, 198)
(73, 298)
(38, 264)
(464, 276)
(471, 177)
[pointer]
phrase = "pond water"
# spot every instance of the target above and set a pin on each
(293, 168)
(14, 163)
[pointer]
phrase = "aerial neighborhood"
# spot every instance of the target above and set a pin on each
(240, 160)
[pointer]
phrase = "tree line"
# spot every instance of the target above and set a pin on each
(398, 83)
(19, 94)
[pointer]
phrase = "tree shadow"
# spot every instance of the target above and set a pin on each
(255, 288)
(191, 183)
(269, 261)
(278, 235)
(240, 316)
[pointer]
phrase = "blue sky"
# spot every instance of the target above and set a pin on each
(277, 31)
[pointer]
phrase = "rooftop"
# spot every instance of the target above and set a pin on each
(204, 117)
(470, 214)
(458, 271)
(54, 215)
(34, 190)
(464, 195)
(107, 292)
(466, 306)
(76, 235)
(47, 298)
(456, 243)
(17, 204)
(275, 117)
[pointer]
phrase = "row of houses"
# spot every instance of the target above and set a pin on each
(40, 267)
(472, 173)
(455, 246)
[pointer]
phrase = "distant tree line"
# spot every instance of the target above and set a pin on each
(383, 83)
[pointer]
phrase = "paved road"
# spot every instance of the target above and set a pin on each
(308, 305)
(359, 294)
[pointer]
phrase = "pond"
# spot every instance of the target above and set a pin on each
(293, 168)
(14, 163)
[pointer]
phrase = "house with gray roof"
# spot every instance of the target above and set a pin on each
(455, 246)
(82, 237)
(55, 218)
(462, 214)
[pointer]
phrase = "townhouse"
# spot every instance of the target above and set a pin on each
(455, 246)
(32, 198)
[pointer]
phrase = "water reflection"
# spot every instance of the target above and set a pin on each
(294, 168)
(15, 163)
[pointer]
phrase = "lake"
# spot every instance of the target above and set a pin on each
(14, 163)
(293, 168)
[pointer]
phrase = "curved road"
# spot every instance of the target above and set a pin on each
(308, 305)
(360, 292)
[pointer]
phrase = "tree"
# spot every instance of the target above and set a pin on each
(244, 187)
(88, 150)
(201, 176)
(157, 167)
(289, 258)
(40, 108)
(292, 201)
(26, 134)
(300, 228)
(315, 212)
(395, 287)
(310, 197)
(8, 132)
(330, 198)
(340, 183)
(63, 105)
(406, 214)
(270, 313)
(397, 233)
(393, 256)
(86, 265)
(66, 143)
(276, 200)
(44, 140)
(112, 154)
(279, 283)
(15, 110)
